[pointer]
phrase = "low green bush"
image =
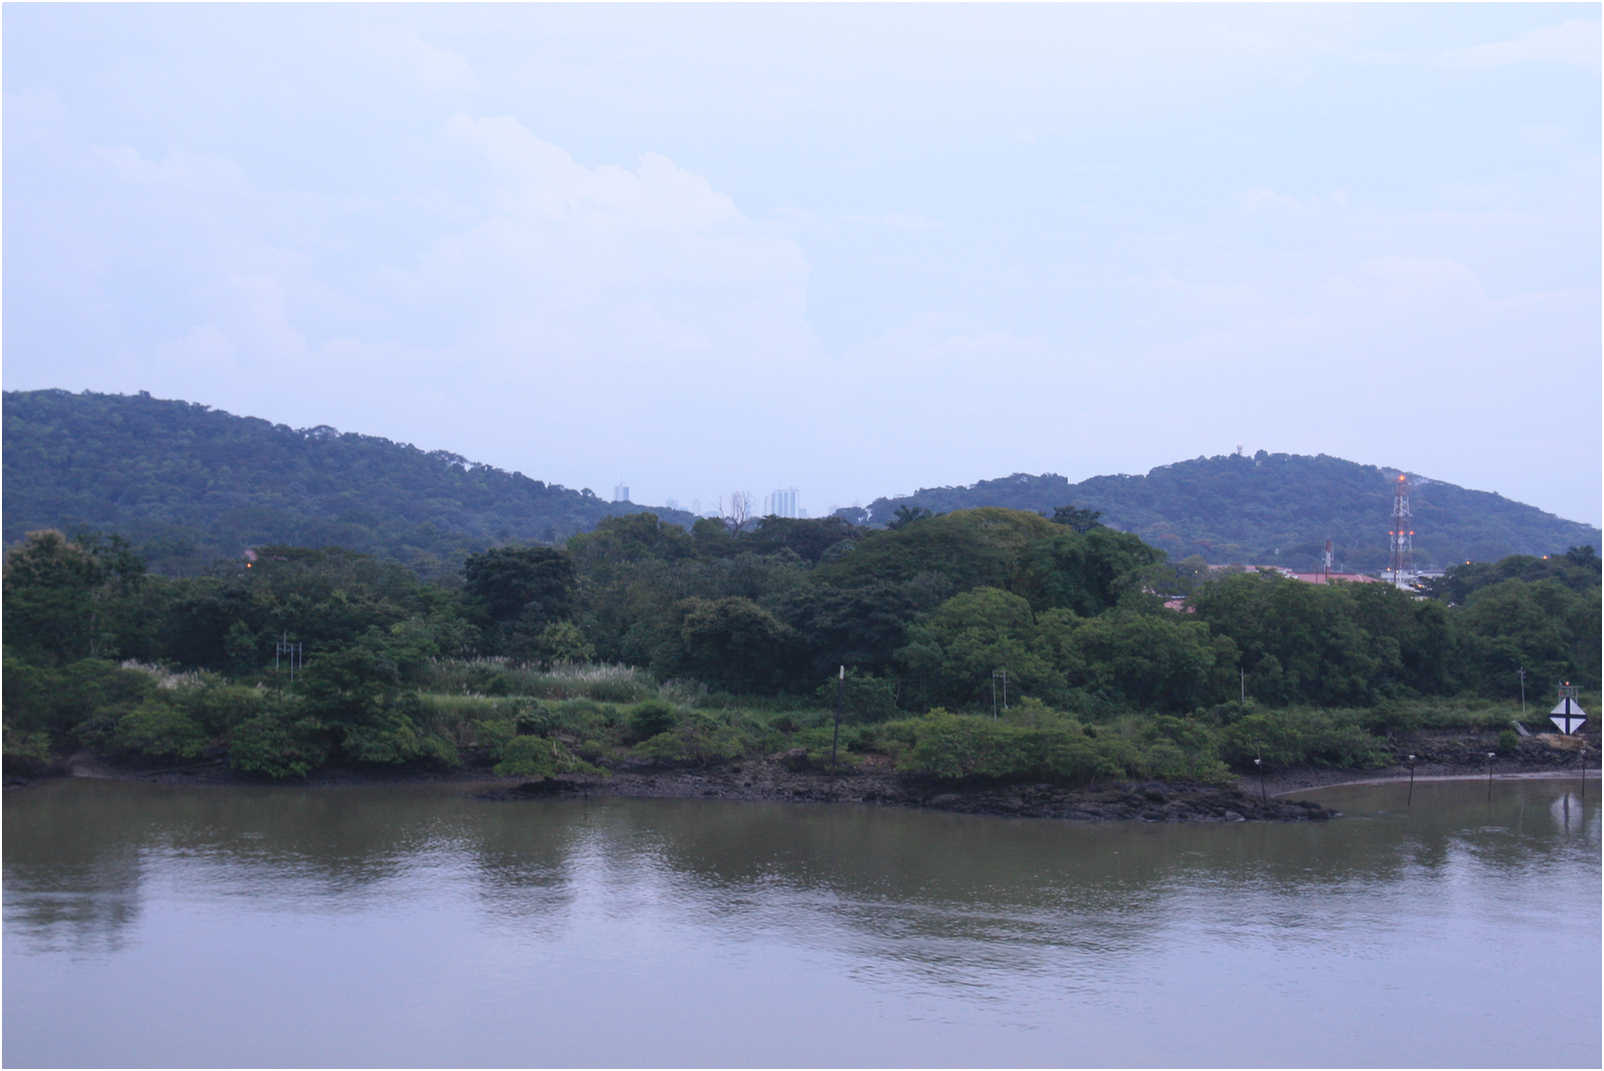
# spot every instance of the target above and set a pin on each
(696, 740)
(396, 741)
(159, 729)
(25, 751)
(540, 757)
(1302, 737)
(274, 746)
(953, 747)
(648, 719)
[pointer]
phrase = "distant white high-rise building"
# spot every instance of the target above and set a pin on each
(620, 492)
(782, 503)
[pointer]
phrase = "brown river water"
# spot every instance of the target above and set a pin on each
(153, 925)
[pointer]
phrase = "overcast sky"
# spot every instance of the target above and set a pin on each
(850, 249)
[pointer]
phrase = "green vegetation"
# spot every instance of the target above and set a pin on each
(1268, 509)
(186, 484)
(981, 645)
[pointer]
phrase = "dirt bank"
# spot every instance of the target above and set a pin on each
(770, 779)
(782, 778)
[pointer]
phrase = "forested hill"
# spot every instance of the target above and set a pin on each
(1273, 509)
(187, 484)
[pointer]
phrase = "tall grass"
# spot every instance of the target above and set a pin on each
(500, 677)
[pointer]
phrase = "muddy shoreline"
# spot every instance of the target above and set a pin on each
(774, 779)
(769, 780)
(780, 778)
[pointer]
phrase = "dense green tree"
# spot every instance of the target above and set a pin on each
(968, 549)
(1144, 661)
(522, 590)
(1577, 569)
(906, 515)
(69, 599)
(1545, 627)
(861, 626)
(953, 650)
(1082, 520)
(1304, 642)
(1088, 572)
(807, 538)
(734, 643)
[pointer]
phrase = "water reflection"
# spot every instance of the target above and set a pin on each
(556, 909)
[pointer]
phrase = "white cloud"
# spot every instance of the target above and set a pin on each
(430, 65)
(1575, 41)
(552, 287)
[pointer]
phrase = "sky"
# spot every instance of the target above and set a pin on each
(851, 249)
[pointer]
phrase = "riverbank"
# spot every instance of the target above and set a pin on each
(775, 779)
(790, 778)
(1446, 757)
(770, 780)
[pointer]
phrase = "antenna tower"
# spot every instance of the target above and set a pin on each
(1402, 533)
(1325, 565)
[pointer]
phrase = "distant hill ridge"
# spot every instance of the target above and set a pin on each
(1272, 509)
(186, 484)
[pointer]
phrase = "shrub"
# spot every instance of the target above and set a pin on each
(26, 752)
(863, 697)
(650, 719)
(697, 740)
(1508, 742)
(1300, 737)
(562, 642)
(534, 720)
(394, 741)
(216, 705)
(493, 734)
(394, 737)
(157, 729)
(539, 756)
(953, 747)
(269, 745)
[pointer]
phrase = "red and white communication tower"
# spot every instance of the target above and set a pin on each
(1402, 534)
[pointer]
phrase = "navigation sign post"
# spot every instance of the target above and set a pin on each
(1567, 714)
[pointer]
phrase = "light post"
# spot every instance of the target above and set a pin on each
(1411, 780)
(1521, 672)
(1489, 777)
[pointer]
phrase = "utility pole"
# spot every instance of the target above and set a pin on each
(1521, 672)
(293, 653)
(840, 683)
(995, 674)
